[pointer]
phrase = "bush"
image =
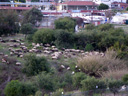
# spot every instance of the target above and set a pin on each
(92, 83)
(103, 6)
(27, 29)
(44, 36)
(38, 93)
(58, 92)
(45, 81)
(125, 78)
(105, 27)
(89, 47)
(114, 86)
(65, 23)
(34, 65)
(64, 39)
(90, 27)
(95, 65)
(16, 88)
(116, 74)
(77, 78)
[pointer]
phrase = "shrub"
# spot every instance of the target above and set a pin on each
(34, 65)
(45, 81)
(77, 78)
(90, 27)
(44, 36)
(114, 86)
(116, 74)
(95, 65)
(89, 47)
(92, 83)
(16, 88)
(103, 6)
(65, 23)
(27, 29)
(85, 37)
(125, 78)
(58, 92)
(38, 93)
(64, 39)
(105, 27)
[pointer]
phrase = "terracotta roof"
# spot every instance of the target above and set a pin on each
(79, 3)
(15, 8)
(121, 3)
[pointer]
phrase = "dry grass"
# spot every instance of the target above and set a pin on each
(115, 74)
(95, 65)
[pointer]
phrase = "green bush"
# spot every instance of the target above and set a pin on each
(90, 27)
(27, 29)
(65, 23)
(103, 6)
(44, 36)
(115, 85)
(58, 92)
(89, 84)
(89, 47)
(45, 81)
(38, 93)
(92, 83)
(64, 39)
(77, 78)
(125, 78)
(34, 65)
(16, 88)
(105, 27)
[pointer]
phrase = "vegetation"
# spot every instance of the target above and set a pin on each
(103, 6)
(17, 88)
(98, 63)
(65, 23)
(34, 65)
(32, 16)
(44, 36)
(9, 22)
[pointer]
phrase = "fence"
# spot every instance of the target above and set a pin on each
(99, 92)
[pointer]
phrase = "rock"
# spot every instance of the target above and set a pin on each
(18, 63)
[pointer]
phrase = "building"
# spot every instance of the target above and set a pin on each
(119, 5)
(78, 5)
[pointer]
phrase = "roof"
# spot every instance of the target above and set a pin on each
(121, 3)
(15, 8)
(71, 3)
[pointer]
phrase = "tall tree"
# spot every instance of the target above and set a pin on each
(9, 22)
(32, 16)
(103, 6)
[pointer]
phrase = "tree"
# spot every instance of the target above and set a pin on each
(9, 23)
(34, 65)
(64, 39)
(27, 29)
(32, 16)
(21, 1)
(45, 81)
(103, 6)
(114, 86)
(77, 78)
(65, 23)
(44, 36)
(17, 88)
(125, 78)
